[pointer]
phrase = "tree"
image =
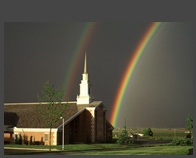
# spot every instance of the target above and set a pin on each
(124, 138)
(147, 132)
(189, 122)
(52, 111)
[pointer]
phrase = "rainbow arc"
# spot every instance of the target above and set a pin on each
(77, 56)
(140, 49)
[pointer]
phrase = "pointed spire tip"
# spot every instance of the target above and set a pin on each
(85, 64)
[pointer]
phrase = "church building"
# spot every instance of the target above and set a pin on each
(84, 120)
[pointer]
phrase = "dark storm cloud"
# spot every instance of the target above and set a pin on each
(162, 85)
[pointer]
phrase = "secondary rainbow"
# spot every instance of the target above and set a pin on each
(77, 56)
(148, 36)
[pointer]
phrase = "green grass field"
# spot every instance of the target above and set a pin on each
(73, 147)
(157, 150)
(136, 149)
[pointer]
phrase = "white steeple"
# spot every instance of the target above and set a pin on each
(85, 65)
(85, 96)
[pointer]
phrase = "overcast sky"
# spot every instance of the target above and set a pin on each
(160, 93)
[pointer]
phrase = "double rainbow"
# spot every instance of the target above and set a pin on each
(148, 36)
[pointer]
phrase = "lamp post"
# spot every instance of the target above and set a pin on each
(63, 133)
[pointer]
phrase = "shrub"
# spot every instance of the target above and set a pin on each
(6, 142)
(182, 141)
(31, 142)
(20, 139)
(189, 122)
(16, 139)
(148, 132)
(188, 135)
(37, 143)
(124, 138)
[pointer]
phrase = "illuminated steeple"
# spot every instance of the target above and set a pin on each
(85, 65)
(85, 96)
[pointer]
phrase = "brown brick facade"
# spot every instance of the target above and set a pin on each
(100, 124)
(78, 130)
(108, 133)
(36, 136)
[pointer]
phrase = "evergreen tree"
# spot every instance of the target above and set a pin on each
(189, 122)
(16, 139)
(124, 138)
(31, 142)
(20, 139)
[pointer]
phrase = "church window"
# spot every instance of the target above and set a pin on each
(46, 137)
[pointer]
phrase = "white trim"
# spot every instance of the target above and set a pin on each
(15, 129)
(90, 108)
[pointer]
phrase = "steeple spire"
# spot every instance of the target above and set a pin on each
(85, 96)
(85, 65)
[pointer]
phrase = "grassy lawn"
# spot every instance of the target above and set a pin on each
(158, 134)
(157, 150)
(74, 147)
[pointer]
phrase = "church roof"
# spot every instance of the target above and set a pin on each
(29, 117)
(10, 118)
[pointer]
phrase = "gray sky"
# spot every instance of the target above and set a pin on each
(161, 91)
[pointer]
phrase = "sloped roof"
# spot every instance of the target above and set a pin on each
(29, 117)
(10, 118)
(111, 127)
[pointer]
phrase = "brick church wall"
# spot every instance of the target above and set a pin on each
(78, 130)
(36, 136)
(100, 124)
(108, 133)
(84, 127)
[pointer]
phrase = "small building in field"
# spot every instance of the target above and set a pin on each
(84, 120)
